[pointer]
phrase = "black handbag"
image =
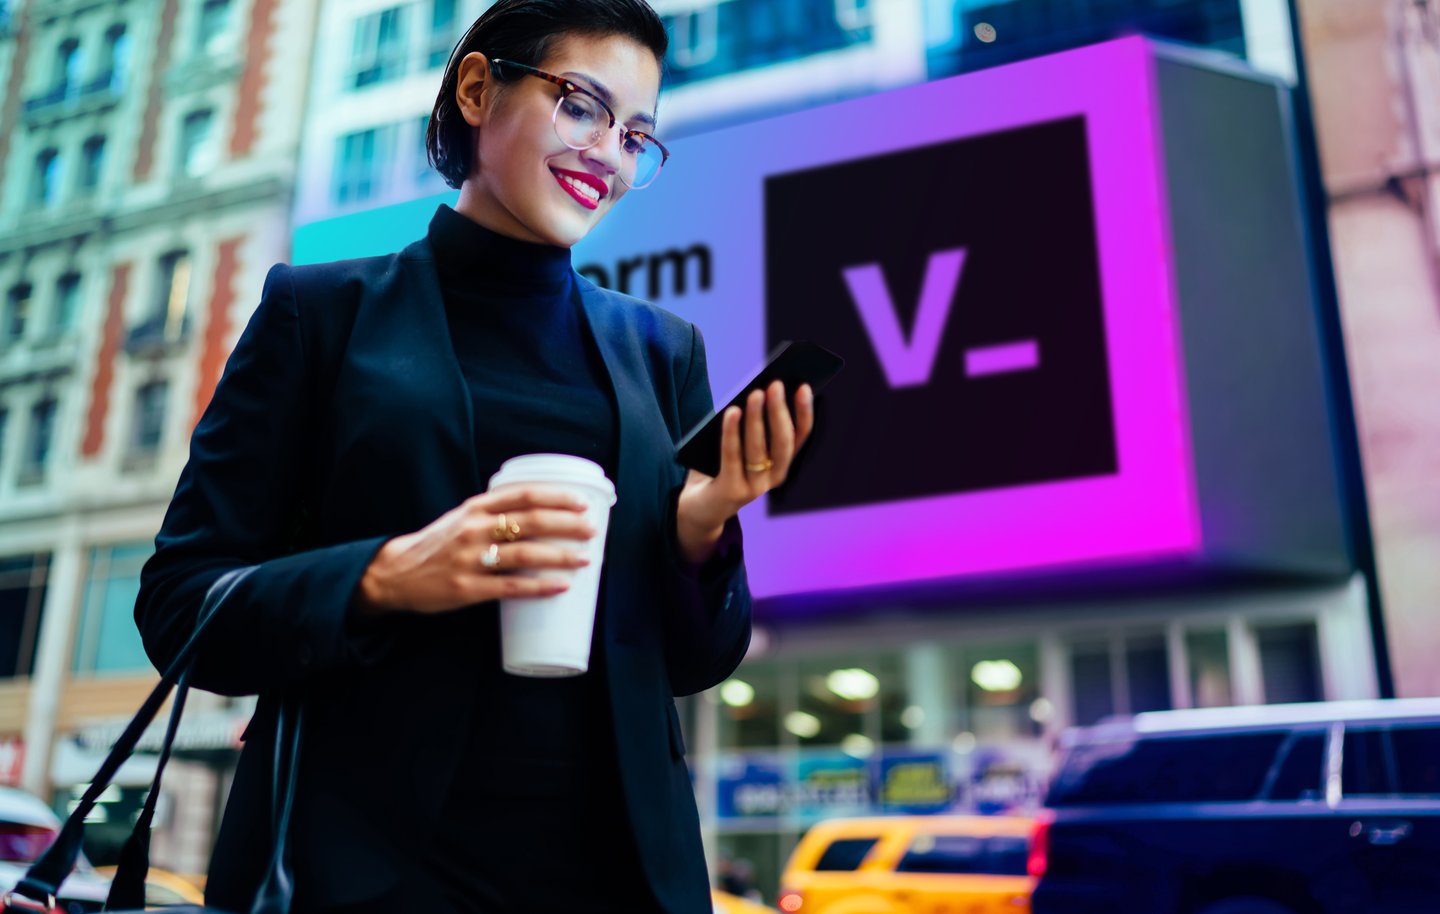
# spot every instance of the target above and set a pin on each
(35, 893)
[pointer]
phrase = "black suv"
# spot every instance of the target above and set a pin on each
(1284, 809)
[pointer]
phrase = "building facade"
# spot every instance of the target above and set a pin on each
(148, 168)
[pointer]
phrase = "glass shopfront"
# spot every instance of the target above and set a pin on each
(968, 720)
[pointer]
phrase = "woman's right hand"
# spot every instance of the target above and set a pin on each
(438, 569)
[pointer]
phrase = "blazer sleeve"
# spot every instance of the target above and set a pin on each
(707, 621)
(234, 505)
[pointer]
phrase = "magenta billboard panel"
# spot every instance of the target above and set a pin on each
(989, 253)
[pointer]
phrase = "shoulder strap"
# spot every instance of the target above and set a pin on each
(45, 875)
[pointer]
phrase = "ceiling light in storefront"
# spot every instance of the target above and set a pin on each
(964, 743)
(996, 675)
(912, 717)
(858, 745)
(853, 684)
(737, 693)
(1041, 710)
(805, 726)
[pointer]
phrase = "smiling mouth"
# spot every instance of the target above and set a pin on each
(586, 195)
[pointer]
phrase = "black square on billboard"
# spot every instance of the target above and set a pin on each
(961, 284)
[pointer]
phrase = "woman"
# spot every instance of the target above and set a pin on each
(345, 452)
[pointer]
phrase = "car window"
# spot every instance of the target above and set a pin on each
(23, 843)
(1364, 770)
(1302, 772)
(844, 854)
(1168, 769)
(966, 854)
(1417, 760)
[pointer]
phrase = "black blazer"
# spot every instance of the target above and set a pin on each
(342, 419)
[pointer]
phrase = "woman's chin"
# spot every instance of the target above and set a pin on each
(567, 229)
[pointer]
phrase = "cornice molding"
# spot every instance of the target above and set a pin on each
(186, 202)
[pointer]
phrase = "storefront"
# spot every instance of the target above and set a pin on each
(959, 708)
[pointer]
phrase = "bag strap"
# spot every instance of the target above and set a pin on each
(43, 878)
(127, 889)
(274, 894)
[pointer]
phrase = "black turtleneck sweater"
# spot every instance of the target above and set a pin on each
(534, 820)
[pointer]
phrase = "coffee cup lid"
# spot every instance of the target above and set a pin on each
(565, 469)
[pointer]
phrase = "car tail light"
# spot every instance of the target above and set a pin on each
(24, 843)
(1039, 846)
(790, 902)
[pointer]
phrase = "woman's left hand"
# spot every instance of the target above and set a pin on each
(748, 469)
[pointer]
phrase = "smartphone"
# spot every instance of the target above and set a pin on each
(795, 363)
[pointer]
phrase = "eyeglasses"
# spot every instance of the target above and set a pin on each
(581, 118)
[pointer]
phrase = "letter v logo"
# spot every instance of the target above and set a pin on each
(907, 363)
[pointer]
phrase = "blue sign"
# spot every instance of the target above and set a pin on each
(831, 784)
(914, 782)
(750, 787)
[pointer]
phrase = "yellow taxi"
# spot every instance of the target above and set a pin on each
(726, 903)
(942, 864)
(165, 889)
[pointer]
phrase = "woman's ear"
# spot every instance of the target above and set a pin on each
(473, 78)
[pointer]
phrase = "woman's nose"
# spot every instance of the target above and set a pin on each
(606, 151)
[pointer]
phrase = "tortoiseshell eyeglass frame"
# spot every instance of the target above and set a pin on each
(499, 68)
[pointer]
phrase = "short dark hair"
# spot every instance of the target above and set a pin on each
(524, 31)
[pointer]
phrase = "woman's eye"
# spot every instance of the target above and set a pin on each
(578, 110)
(634, 145)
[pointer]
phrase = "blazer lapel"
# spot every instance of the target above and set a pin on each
(641, 455)
(401, 361)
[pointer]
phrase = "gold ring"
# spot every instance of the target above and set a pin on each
(505, 529)
(759, 467)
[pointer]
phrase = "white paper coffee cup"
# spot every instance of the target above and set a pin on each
(550, 636)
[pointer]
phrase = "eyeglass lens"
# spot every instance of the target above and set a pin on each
(580, 122)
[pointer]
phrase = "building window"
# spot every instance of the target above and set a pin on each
(92, 163)
(1208, 655)
(172, 290)
(424, 174)
(363, 159)
(1001, 685)
(45, 185)
(197, 149)
(750, 704)
(17, 312)
(67, 68)
(1123, 675)
(107, 640)
(379, 50)
(117, 58)
(213, 35)
(166, 323)
(442, 32)
(22, 598)
(67, 303)
(149, 420)
(1290, 662)
(37, 446)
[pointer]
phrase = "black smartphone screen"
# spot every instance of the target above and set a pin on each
(792, 362)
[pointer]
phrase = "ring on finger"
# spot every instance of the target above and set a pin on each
(505, 529)
(490, 558)
(761, 467)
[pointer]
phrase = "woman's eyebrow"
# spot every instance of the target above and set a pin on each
(600, 89)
